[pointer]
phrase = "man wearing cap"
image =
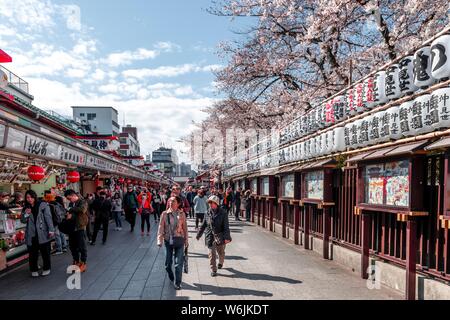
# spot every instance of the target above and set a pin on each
(217, 233)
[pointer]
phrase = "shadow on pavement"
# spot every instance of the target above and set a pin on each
(258, 276)
(204, 255)
(208, 290)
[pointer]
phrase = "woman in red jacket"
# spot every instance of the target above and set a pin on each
(145, 209)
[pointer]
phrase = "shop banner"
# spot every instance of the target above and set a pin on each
(70, 155)
(27, 143)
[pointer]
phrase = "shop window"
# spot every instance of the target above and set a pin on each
(387, 183)
(288, 186)
(314, 185)
(254, 186)
(265, 186)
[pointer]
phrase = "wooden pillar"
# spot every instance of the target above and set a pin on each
(259, 212)
(296, 223)
(271, 205)
(283, 219)
(263, 216)
(308, 213)
(252, 211)
(365, 229)
(411, 250)
(326, 232)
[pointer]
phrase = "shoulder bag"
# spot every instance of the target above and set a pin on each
(176, 242)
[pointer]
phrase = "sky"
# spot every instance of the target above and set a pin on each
(152, 60)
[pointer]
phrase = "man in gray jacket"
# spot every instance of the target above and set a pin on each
(200, 207)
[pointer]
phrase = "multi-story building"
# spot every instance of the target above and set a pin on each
(166, 160)
(129, 144)
(99, 120)
(184, 170)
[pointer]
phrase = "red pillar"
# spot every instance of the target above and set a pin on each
(283, 219)
(308, 213)
(271, 205)
(296, 223)
(411, 250)
(326, 232)
(365, 229)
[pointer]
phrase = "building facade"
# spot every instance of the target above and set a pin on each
(100, 120)
(166, 160)
(129, 144)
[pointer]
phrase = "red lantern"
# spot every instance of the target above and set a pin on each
(121, 180)
(36, 173)
(128, 181)
(73, 176)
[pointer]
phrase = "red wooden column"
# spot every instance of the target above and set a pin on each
(296, 222)
(259, 211)
(326, 231)
(271, 208)
(411, 250)
(252, 211)
(308, 213)
(283, 219)
(263, 216)
(365, 229)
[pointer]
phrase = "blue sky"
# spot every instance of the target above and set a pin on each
(150, 59)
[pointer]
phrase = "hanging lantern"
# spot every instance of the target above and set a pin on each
(372, 136)
(440, 108)
(347, 135)
(363, 133)
(406, 76)
(383, 126)
(350, 108)
(338, 143)
(73, 176)
(369, 97)
(355, 129)
(318, 143)
(393, 116)
(36, 173)
(379, 88)
(392, 82)
(422, 68)
(129, 181)
(359, 98)
(339, 108)
(329, 113)
(440, 57)
(419, 119)
(328, 142)
(121, 180)
(404, 118)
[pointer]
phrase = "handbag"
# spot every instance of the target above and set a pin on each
(67, 226)
(176, 242)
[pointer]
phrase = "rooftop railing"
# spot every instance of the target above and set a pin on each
(15, 79)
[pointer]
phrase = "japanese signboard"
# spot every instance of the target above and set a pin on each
(106, 144)
(28, 143)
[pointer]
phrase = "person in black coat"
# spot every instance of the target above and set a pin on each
(217, 233)
(102, 210)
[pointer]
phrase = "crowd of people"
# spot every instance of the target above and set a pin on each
(80, 219)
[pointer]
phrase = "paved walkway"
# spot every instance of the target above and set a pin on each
(258, 265)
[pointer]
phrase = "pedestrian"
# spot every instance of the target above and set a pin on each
(248, 205)
(90, 200)
(217, 233)
(130, 206)
(191, 194)
(237, 204)
(173, 232)
(116, 203)
(58, 213)
(156, 204)
(39, 232)
(200, 207)
(102, 211)
(184, 204)
(145, 210)
(227, 201)
(77, 238)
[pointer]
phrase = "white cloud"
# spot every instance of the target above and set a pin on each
(167, 46)
(168, 71)
(127, 57)
(75, 73)
(99, 75)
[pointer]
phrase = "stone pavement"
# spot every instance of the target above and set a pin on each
(258, 265)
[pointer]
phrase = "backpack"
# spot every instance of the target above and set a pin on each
(56, 217)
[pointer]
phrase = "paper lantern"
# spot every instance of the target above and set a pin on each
(73, 176)
(359, 98)
(440, 57)
(393, 117)
(420, 122)
(339, 108)
(319, 145)
(422, 68)
(301, 151)
(404, 118)
(347, 135)
(338, 139)
(313, 121)
(36, 173)
(406, 76)
(383, 123)
(369, 96)
(313, 148)
(440, 108)
(363, 133)
(307, 148)
(355, 134)
(373, 129)
(350, 107)
(328, 142)
(379, 89)
(392, 82)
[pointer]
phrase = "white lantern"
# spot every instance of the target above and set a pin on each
(422, 68)
(359, 98)
(440, 108)
(301, 151)
(306, 153)
(338, 139)
(420, 121)
(374, 129)
(392, 82)
(379, 89)
(319, 146)
(440, 57)
(406, 76)
(312, 147)
(348, 135)
(404, 118)
(329, 113)
(350, 107)
(328, 142)
(383, 122)
(369, 97)
(339, 108)
(363, 133)
(354, 134)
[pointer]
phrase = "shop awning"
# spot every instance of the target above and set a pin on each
(406, 148)
(288, 168)
(318, 164)
(441, 143)
(359, 156)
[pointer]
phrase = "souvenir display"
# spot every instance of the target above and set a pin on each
(406, 76)
(440, 57)
(397, 183)
(374, 184)
(440, 108)
(392, 82)
(379, 88)
(422, 68)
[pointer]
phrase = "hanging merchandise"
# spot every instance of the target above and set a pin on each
(359, 98)
(420, 120)
(404, 118)
(392, 82)
(422, 68)
(440, 57)
(338, 139)
(369, 97)
(36, 173)
(379, 89)
(406, 76)
(440, 108)
(350, 107)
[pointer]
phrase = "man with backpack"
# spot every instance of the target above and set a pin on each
(58, 213)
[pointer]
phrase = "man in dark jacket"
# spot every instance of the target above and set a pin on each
(130, 206)
(217, 233)
(102, 211)
(237, 204)
(77, 239)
